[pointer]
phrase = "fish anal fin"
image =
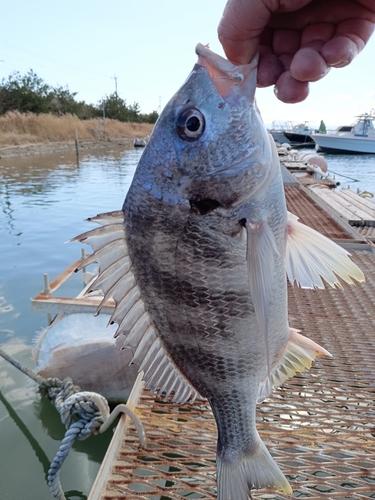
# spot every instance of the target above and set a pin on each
(299, 355)
(310, 256)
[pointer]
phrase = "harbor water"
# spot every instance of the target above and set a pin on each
(43, 203)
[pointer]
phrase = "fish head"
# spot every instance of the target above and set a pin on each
(209, 142)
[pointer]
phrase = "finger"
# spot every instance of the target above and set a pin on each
(350, 38)
(240, 27)
(289, 90)
(339, 52)
(308, 65)
(286, 41)
(270, 69)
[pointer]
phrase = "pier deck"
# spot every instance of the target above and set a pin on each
(319, 426)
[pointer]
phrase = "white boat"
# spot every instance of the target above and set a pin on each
(356, 138)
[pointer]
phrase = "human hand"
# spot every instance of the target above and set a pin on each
(298, 40)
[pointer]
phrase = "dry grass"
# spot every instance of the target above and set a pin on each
(17, 128)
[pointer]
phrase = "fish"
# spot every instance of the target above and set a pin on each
(197, 263)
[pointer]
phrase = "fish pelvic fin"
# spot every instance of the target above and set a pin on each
(299, 355)
(261, 250)
(236, 478)
(310, 256)
(116, 280)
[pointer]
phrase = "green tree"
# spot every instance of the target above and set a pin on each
(30, 94)
(149, 117)
(27, 93)
(115, 107)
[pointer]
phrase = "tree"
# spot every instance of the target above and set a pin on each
(26, 93)
(30, 94)
(149, 117)
(115, 107)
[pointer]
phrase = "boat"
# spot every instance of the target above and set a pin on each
(300, 134)
(139, 143)
(277, 131)
(356, 138)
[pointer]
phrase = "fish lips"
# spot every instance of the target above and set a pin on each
(231, 82)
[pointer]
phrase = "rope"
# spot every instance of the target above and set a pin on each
(82, 412)
(367, 194)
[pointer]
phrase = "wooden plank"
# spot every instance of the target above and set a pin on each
(61, 278)
(331, 212)
(342, 211)
(337, 202)
(349, 205)
(370, 205)
(45, 303)
(370, 218)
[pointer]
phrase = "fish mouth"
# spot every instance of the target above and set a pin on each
(228, 78)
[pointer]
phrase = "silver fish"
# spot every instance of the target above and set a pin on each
(197, 259)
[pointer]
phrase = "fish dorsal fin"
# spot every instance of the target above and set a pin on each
(261, 250)
(310, 256)
(116, 280)
(299, 354)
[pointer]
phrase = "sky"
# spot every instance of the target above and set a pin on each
(146, 47)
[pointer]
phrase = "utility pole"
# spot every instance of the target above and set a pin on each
(115, 79)
(160, 104)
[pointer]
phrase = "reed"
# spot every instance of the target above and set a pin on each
(18, 128)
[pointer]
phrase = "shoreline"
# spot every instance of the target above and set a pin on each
(40, 148)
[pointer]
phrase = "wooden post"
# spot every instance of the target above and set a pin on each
(99, 129)
(76, 141)
(104, 127)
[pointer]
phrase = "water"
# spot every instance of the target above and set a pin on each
(43, 201)
(345, 168)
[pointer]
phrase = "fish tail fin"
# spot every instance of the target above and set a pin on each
(236, 478)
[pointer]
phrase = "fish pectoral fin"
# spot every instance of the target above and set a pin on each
(261, 250)
(310, 256)
(299, 354)
(116, 280)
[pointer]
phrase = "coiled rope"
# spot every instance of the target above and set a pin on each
(83, 413)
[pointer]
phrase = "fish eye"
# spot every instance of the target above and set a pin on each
(190, 124)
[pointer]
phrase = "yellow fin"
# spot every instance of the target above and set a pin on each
(299, 354)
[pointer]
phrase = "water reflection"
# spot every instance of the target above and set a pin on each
(39, 452)
(43, 203)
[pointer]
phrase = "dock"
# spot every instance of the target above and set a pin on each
(319, 425)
